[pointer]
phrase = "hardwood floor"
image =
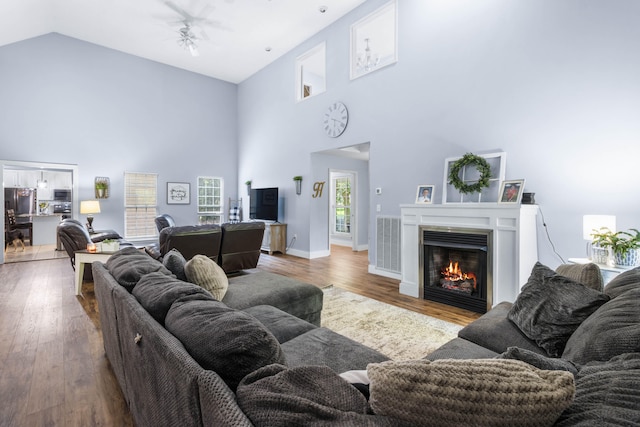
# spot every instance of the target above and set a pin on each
(53, 370)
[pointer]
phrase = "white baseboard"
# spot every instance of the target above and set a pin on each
(389, 274)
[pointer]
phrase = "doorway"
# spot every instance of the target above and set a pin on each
(342, 209)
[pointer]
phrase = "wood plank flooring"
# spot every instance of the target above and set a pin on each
(53, 370)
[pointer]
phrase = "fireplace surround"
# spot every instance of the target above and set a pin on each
(512, 247)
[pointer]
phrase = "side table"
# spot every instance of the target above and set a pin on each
(84, 257)
(608, 272)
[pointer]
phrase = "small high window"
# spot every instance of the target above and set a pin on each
(311, 73)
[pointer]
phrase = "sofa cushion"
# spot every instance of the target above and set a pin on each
(483, 331)
(129, 264)
(550, 307)
(322, 346)
(156, 292)
(612, 330)
(305, 396)
(607, 393)
(175, 262)
(282, 325)
(202, 271)
(230, 342)
(459, 348)
(588, 274)
(629, 279)
(538, 360)
(478, 392)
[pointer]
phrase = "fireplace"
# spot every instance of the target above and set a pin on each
(511, 243)
(457, 267)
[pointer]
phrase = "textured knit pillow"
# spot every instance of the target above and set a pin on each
(175, 262)
(156, 292)
(612, 330)
(203, 271)
(587, 274)
(129, 264)
(230, 342)
(550, 307)
(623, 282)
(472, 392)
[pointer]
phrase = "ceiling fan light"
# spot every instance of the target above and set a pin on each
(194, 50)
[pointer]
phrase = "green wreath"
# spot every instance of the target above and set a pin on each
(470, 159)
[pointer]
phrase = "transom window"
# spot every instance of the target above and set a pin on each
(210, 200)
(140, 205)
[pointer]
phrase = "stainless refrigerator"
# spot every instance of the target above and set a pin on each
(22, 201)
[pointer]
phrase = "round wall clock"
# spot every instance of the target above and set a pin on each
(335, 119)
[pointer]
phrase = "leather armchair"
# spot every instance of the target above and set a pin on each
(163, 221)
(192, 240)
(75, 237)
(241, 244)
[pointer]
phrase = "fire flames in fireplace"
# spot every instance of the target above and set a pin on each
(453, 278)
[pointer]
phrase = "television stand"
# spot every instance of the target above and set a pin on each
(275, 238)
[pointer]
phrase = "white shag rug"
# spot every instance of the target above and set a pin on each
(395, 332)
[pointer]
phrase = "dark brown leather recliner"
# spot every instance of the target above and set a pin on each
(192, 240)
(163, 221)
(75, 237)
(241, 244)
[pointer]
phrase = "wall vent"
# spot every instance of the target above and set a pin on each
(388, 243)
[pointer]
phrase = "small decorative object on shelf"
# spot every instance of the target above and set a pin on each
(470, 159)
(298, 180)
(625, 245)
(102, 187)
(248, 184)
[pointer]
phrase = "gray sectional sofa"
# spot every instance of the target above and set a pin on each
(259, 356)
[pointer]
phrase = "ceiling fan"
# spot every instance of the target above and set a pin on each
(187, 37)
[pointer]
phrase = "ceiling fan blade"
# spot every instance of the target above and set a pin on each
(180, 11)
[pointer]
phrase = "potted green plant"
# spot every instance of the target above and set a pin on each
(110, 245)
(298, 180)
(101, 188)
(624, 245)
(248, 184)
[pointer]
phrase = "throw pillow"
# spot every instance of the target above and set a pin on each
(588, 274)
(607, 393)
(550, 307)
(175, 262)
(630, 279)
(156, 292)
(203, 271)
(303, 396)
(612, 330)
(230, 342)
(538, 360)
(129, 264)
(478, 392)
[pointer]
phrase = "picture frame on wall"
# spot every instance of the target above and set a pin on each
(178, 193)
(424, 195)
(511, 191)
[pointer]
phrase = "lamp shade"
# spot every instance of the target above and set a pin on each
(596, 222)
(89, 207)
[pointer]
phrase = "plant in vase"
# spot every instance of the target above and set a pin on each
(298, 180)
(110, 245)
(101, 188)
(625, 245)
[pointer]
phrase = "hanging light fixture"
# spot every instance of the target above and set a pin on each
(188, 40)
(42, 183)
(367, 61)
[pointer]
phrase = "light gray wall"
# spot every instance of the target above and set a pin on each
(553, 83)
(67, 101)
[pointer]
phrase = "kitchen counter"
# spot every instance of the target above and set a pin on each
(44, 228)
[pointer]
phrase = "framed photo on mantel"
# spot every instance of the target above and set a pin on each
(511, 191)
(178, 193)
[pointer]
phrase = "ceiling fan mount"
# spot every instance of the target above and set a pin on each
(187, 37)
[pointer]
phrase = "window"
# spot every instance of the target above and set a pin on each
(210, 196)
(310, 73)
(140, 205)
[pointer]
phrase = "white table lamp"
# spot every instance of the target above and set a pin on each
(89, 207)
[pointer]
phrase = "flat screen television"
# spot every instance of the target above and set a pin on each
(264, 204)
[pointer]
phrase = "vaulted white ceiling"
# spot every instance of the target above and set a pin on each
(237, 33)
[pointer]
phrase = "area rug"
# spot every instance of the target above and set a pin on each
(395, 332)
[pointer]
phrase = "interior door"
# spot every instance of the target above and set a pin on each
(342, 215)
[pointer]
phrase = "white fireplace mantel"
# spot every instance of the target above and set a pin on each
(514, 246)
